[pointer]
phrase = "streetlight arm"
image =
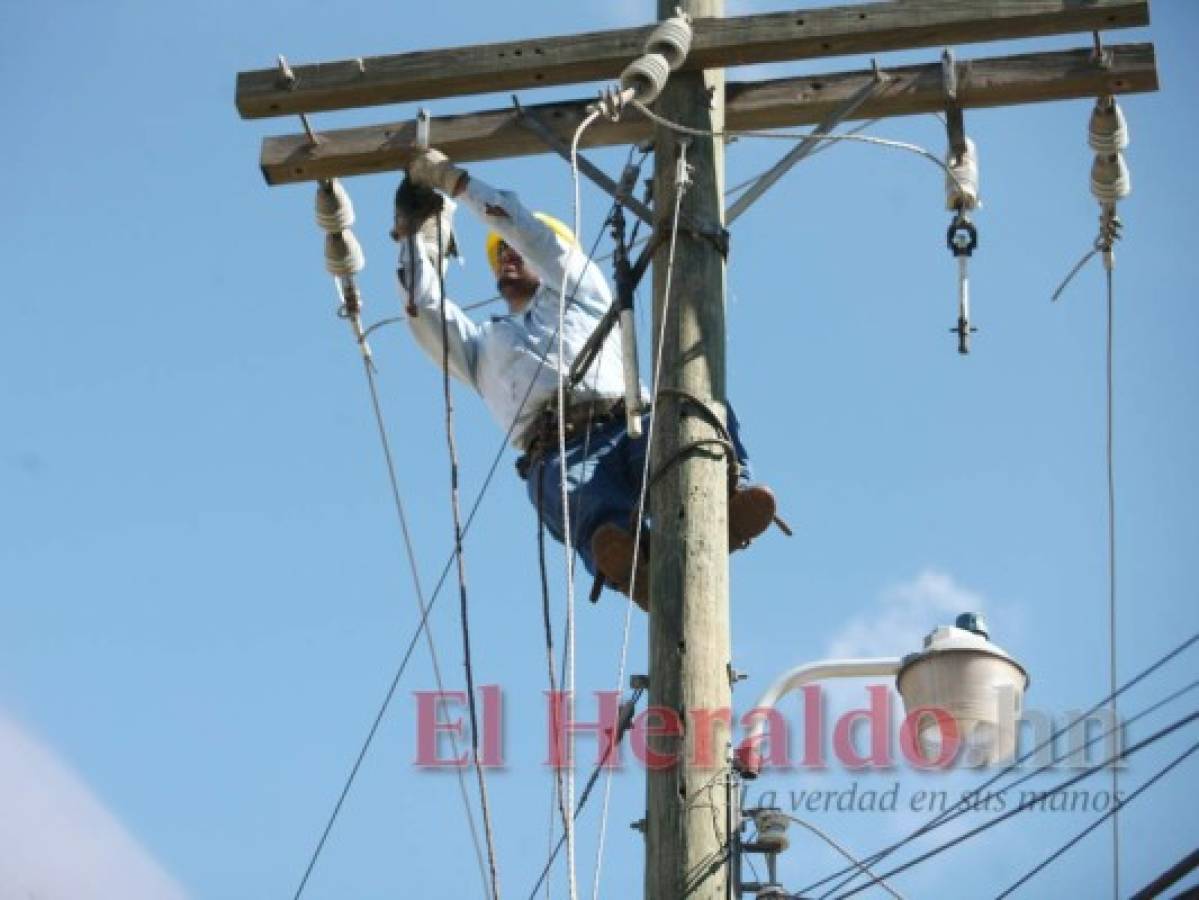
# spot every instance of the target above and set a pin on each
(793, 679)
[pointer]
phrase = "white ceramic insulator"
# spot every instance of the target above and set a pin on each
(961, 181)
(632, 373)
(1110, 179)
(646, 76)
(671, 38)
(343, 254)
(772, 831)
(334, 211)
(1108, 131)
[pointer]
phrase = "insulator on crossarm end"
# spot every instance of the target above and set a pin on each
(671, 39)
(1108, 131)
(343, 254)
(334, 211)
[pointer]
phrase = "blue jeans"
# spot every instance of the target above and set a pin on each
(603, 481)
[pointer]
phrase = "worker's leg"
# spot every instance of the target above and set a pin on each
(635, 449)
(751, 507)
(595, 484)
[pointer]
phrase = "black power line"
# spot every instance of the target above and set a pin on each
(428, 608)
(1117, 805)
(848, 874)
(1028, 804)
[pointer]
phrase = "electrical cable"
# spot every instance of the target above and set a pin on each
(568, 675)
(1118, 727)
(406, 657)
(1030, 803)
(681, 184)
(853, 859)
(420, 598)
(334, 215)
(1117, 804)
(952, 813)
(547, 623)
(788, 135)
(395, 320)
(456, 511)
(369, 369)
(820, 148)
(1111, 564)
(614, 739)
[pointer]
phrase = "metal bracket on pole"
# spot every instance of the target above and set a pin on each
(616, 191)
(422, 129)
(718, 236)
(806, 146)
(954, 121)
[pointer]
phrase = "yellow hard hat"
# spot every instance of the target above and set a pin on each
(493, 239)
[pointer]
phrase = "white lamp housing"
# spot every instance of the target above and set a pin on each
(980, 686)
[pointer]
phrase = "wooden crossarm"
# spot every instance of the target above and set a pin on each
(781, 103)
(718, 42)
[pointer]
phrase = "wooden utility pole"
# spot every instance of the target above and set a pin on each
(686, 824)
(687, 831)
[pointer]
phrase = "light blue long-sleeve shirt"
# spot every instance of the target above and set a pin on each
(509, 357)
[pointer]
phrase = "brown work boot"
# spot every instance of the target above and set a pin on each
(751, 510)
(612, 550)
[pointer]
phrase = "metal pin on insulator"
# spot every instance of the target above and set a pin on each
(334, 211)
(671, 38)
(632, 372)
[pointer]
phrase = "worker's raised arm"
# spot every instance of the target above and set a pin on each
(552, 255)
(420, 290)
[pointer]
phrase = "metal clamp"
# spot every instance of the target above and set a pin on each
(962, 236)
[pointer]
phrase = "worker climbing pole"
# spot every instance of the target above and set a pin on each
(566, 389)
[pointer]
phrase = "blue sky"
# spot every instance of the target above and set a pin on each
(201, 579)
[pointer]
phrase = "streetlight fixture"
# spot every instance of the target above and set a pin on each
(958, 673)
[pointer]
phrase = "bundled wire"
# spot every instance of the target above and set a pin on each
(455, 508)
(1117, 805)
(1039, 798)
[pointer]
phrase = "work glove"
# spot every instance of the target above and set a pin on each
(421, 211)
(432, 169)
(414, 206)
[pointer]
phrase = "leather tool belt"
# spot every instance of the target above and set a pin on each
(581, 419)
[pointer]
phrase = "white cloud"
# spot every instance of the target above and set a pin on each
(57, 840)
(903, 615)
